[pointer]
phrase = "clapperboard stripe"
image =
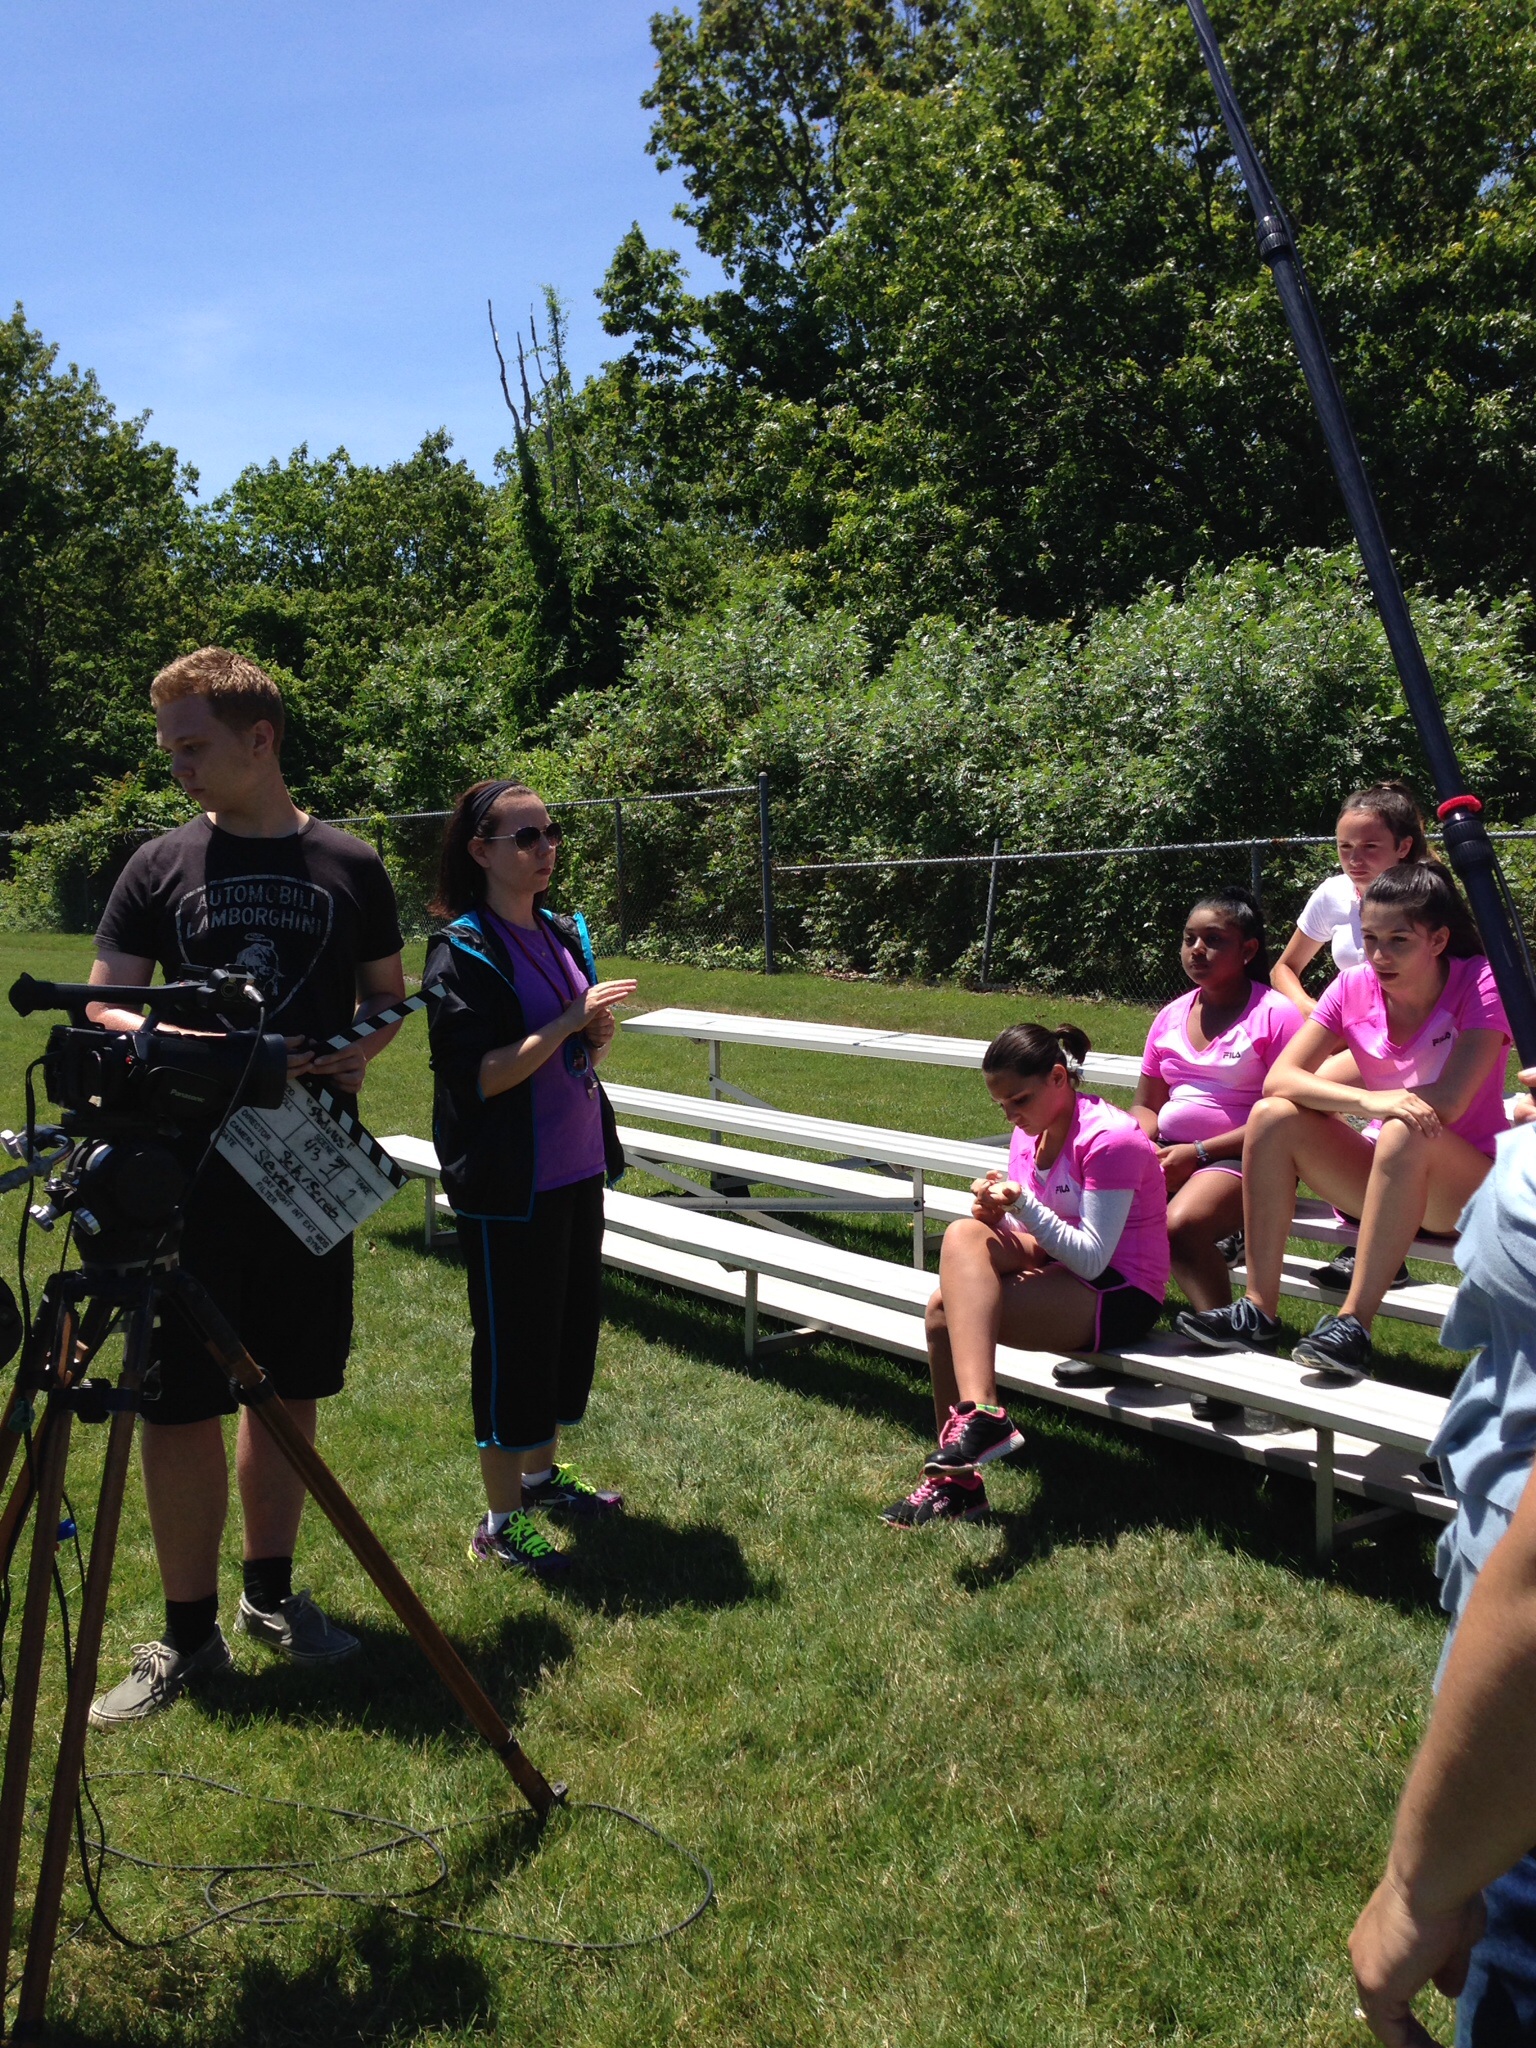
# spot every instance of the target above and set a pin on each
(381, 1020)
(354, 1034)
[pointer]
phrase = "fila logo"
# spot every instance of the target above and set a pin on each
(1443, 1038)
(1063, 1187)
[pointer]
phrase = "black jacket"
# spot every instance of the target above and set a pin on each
(485, 1148)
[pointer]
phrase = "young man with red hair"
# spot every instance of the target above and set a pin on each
(308, 912)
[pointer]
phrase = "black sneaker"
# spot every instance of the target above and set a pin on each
(1242, 1327)
(1085, 1372)
(1338, 1276)
(1339, 1348)
(973, 1436)
(1213, 1408)
(1231, 1248)
(938, 1500)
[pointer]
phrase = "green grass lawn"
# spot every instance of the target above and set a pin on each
(1116, 1768)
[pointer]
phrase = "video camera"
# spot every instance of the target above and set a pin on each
(157, 1082)
(139, 1106)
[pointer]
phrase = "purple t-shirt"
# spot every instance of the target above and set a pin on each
(567, 1122)
(1354, 1009)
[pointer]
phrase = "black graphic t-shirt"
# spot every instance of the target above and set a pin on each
(300, 914)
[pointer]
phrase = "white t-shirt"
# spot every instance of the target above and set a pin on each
(1332, 911)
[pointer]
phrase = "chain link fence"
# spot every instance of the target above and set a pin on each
(689, 876)
(1081, 921)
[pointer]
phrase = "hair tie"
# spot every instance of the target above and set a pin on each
(1074, 1067)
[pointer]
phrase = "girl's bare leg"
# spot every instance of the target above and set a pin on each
(1414, 1181)
(1208, 1206)
(1285, 1144)
(964, 1314)
(993, 1290)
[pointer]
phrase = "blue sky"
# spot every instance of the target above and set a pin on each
(277, 222)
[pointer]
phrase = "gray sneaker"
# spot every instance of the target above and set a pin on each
(158, 1677)
(298, 1631)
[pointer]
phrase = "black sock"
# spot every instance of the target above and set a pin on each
(268, 1582)
(189, 1623)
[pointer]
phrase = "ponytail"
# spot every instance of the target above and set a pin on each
(1029, 1050)
(1395, 804)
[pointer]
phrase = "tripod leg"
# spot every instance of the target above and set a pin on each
(29, 1654)
(14, 1513)
(370, 1553)
(43, 1936)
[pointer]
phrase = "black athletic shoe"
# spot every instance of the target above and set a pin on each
(1339, 1348)
(972, 1436)
(1337, 1277)
(1085, 1372)
(1231, 1248)
(1242, 1327)
(938, 1500)
(1212, 1408)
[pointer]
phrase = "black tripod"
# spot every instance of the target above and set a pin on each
(78, 1311)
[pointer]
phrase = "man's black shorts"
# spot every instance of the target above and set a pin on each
(292, 1311)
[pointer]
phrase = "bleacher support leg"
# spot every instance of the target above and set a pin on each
(919, 1223)
(1324, 1524)
(751, 1304)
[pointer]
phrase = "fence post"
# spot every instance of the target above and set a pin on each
(765, 855)
(1256, 873)
(986, 940)
(618, 870)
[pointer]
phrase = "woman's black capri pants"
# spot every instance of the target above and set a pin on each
(535, 1300)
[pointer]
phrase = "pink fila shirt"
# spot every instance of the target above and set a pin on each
(1105, 1148)
(1354, 1009)
(1212, 1091)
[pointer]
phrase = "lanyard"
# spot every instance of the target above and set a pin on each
(562, 995)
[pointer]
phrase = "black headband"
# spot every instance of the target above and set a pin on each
(485, 803)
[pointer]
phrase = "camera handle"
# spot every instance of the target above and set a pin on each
(64, 1341)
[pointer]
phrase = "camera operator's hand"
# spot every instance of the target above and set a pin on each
(301, 1055)
(595, 1004)
(344, 1070)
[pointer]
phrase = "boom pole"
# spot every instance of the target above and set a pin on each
(1459, 810)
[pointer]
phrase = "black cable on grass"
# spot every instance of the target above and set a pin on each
(251, 1913)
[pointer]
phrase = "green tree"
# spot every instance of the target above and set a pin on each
(91, 520)
(996, 335)
(315, 566)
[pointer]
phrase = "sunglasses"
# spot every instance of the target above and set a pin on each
(527, 837)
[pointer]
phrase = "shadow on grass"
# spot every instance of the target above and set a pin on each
(382, 1978)
(1092, 1489)
(1096, 1481)
(865, 1382)
(389, 1684)
(632, 1564)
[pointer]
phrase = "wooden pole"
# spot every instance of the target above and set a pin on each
(370, 1553)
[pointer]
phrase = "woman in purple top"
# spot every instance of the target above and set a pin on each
(518, 1024)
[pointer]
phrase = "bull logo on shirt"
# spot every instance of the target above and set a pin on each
(275, 927)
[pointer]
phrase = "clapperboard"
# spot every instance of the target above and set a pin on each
(309, 1159)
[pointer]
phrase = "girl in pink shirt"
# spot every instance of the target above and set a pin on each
(1428, 1034)
(1207, 1058)
(1066, 1249)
